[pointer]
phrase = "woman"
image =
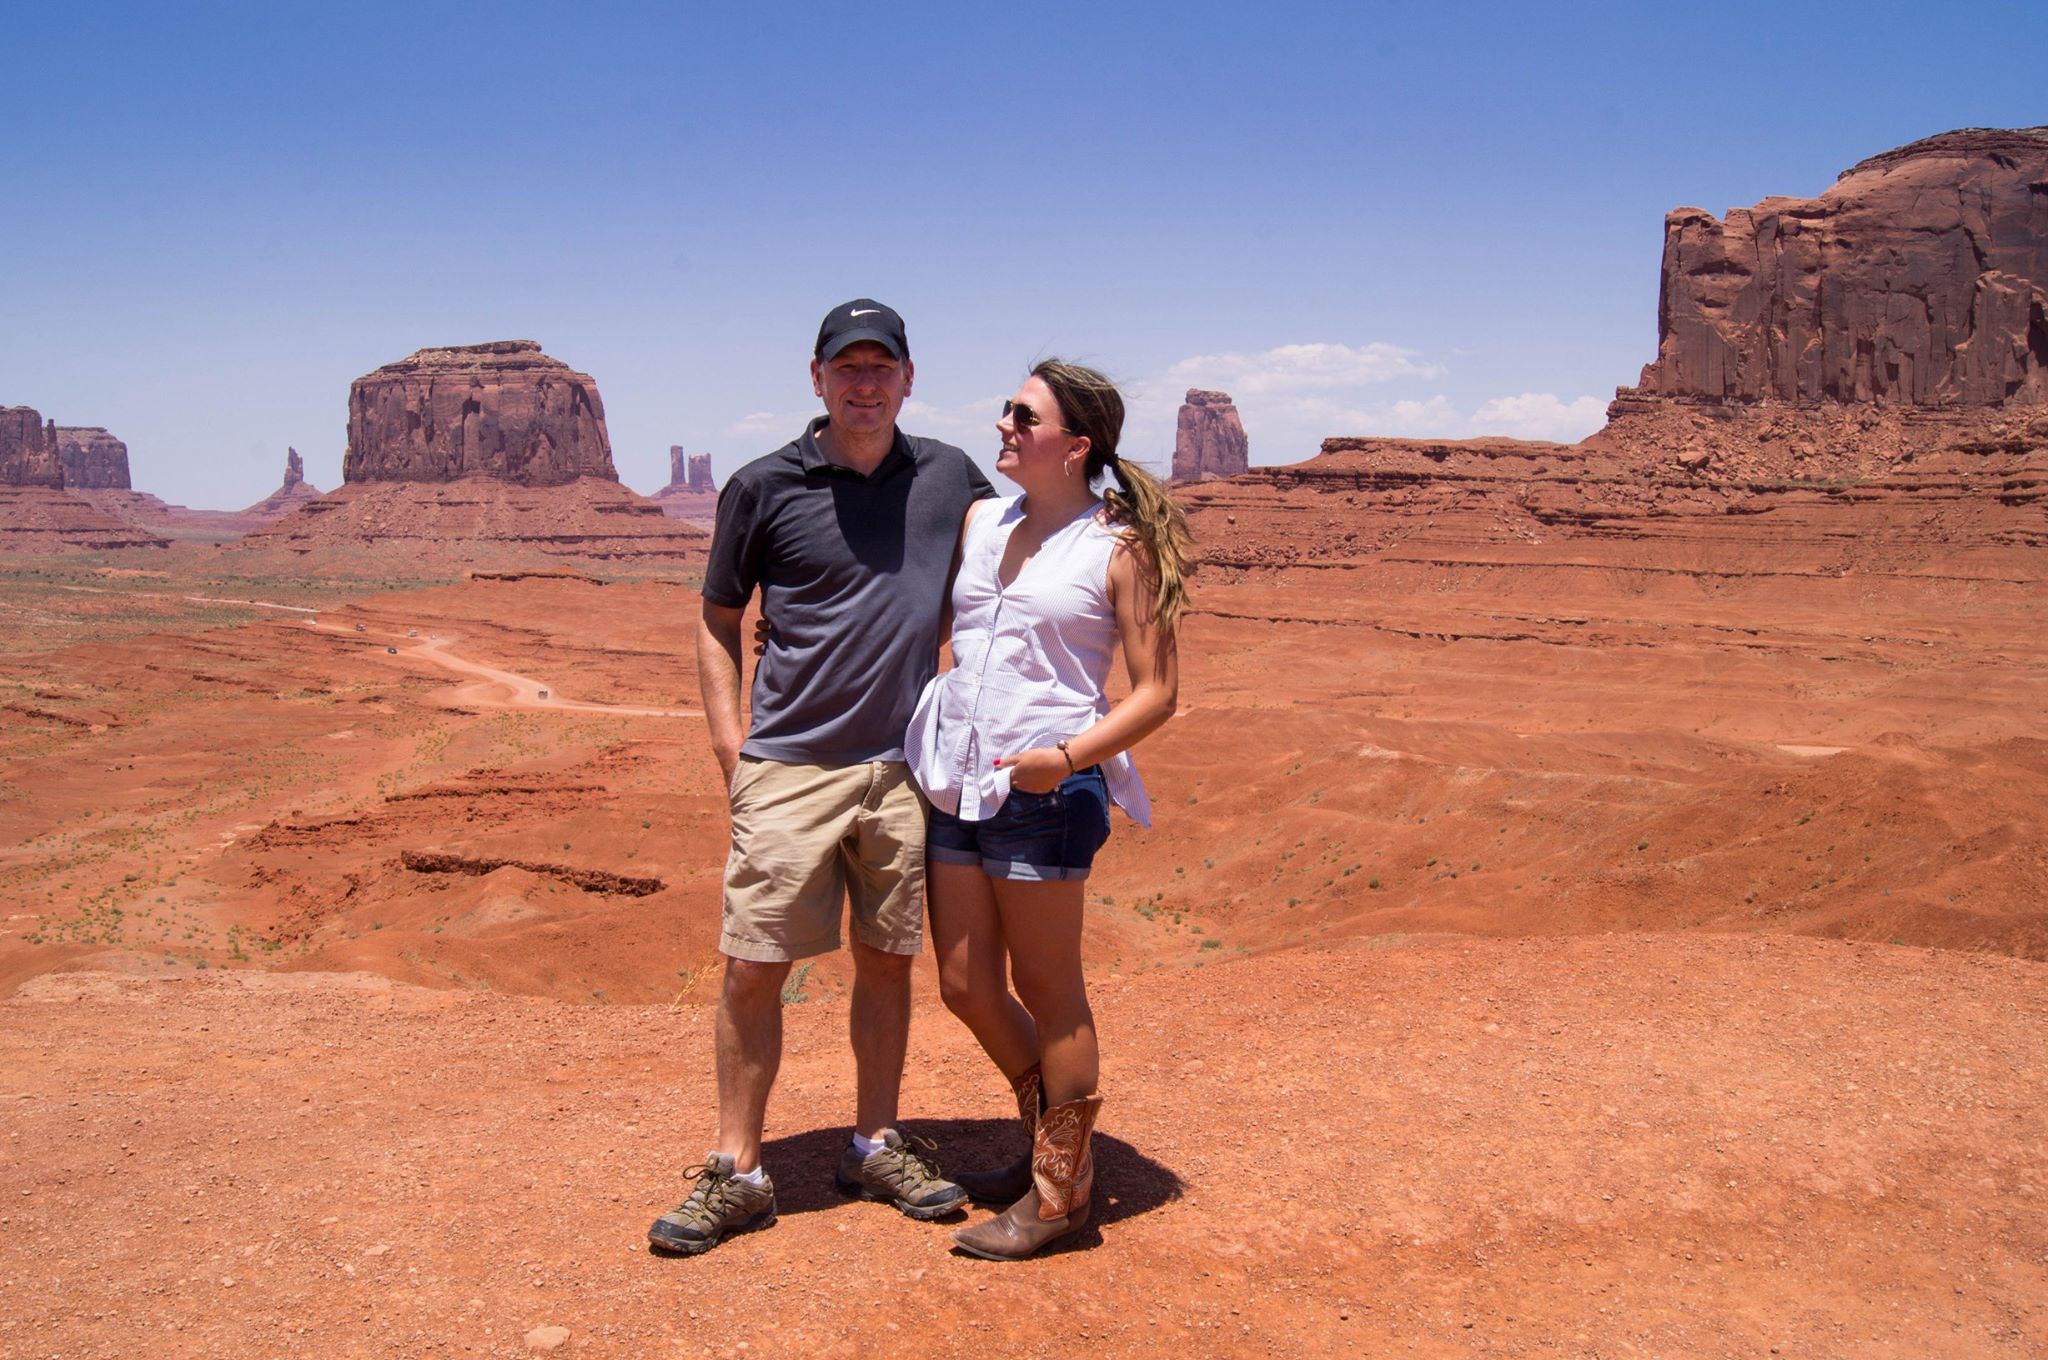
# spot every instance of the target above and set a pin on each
(1021, 754)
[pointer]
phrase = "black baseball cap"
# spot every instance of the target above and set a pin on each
(862, 319)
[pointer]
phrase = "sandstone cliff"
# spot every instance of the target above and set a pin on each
(1920, 278)
(1851, 386)
(28, 449)
(37, 515)
(1210, 441)
(92, 459)
(474, 455)
(502, 410)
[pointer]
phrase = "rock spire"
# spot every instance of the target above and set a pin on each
(1210, 441)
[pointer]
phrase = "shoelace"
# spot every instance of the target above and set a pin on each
(711, 1188)
(917, 1167)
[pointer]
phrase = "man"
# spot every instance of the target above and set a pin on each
(848, 533)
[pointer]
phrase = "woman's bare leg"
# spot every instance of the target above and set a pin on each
(967, 941)
(1041, 924)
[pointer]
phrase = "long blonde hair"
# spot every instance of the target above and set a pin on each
(1091, 406)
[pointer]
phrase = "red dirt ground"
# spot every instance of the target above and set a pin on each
(1541, 951)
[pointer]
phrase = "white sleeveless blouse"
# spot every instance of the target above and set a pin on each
(1029, 665)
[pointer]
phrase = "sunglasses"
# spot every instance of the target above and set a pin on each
(1023, 417)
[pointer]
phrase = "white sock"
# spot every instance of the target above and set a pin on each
(758, 1176)
(864, 1146)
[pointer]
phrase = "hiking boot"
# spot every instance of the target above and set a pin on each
(720, 1203)
(897, 1173)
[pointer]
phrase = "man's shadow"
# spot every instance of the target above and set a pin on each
(1127, 1182)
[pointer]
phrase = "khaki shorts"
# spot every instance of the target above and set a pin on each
(809, 839)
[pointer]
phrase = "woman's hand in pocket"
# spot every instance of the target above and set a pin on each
(1038, 770)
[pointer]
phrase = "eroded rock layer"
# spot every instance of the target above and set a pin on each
(481, 521)
(1210, 440)
(1666, 489)
(1920, 278)
(40, 520)
(92, 458)
(501, 409)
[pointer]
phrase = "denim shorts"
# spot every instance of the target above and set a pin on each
(1038, 837)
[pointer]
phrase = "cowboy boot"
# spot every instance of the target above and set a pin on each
(1004, 1184)
(1056, 1205)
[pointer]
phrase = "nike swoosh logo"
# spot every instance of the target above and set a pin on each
(872, 311)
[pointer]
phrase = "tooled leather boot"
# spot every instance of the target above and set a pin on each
(1003, 1185)
(1062, 1177)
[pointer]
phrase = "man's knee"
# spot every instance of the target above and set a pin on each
(879, 965)
(748, 980)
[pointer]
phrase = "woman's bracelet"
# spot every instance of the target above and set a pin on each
(1061, 746)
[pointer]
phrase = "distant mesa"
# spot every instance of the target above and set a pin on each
(92, 458)
(1210, 441)
(501, 409)
(36, 514)
(1918, 280)
(477, 454)
(690, 494)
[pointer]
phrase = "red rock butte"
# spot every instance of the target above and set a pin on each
(1851, 383)
(92, 458)
(1917, 279)
(37, 515)
(501, 409)
(1210, 440)
(477, 454)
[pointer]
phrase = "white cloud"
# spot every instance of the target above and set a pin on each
(970, 424)
(1540, 415)
(1293, 397)
(775, 426)
(1290, 398)
(1300, 368)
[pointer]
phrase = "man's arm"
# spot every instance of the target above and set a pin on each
(718, 680)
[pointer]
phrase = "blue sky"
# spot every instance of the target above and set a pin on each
(1358, 220)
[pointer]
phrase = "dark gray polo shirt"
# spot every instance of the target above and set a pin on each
(852, 571)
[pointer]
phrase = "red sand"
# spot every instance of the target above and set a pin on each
(1542, 951)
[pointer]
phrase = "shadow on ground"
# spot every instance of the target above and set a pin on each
(1127, 1182)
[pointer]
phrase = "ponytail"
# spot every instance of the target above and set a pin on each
(1154, 527)
(1159, 529)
